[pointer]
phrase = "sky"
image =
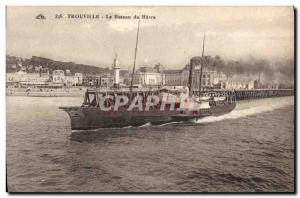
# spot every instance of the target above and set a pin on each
(172, 38)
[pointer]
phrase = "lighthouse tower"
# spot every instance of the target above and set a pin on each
(116, 68)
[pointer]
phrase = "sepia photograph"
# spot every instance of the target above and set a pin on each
(147, 99)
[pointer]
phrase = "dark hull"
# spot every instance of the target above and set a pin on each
(85, 118)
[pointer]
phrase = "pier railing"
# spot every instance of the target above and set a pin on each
(250, 94)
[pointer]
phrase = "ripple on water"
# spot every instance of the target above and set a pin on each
(251, 149)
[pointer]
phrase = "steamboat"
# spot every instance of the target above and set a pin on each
(137, 106)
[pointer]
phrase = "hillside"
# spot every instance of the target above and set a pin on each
(14, 63)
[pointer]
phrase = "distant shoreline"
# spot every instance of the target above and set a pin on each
(46, 94)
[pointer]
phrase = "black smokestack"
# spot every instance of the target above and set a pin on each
(193, 63)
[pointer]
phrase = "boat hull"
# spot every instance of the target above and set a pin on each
(87, 118)
(84, 118)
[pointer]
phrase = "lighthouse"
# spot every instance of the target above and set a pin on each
(116, 68)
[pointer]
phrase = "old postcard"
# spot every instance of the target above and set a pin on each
(150, 99)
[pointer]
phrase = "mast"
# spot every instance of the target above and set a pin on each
(135, 53)
(202, 65)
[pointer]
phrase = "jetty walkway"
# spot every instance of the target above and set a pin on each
(251, 93)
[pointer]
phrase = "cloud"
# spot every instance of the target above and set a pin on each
(172, 38)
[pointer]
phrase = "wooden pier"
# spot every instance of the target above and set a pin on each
(250, 94)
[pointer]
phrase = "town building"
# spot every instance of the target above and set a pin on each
(239, 84)
(173, 77)
(149, 77)
(79, 78)
(101, 80)
(91, 80)
(70, 80)
(21, 79)
(209, 78)
(73, 80)
(107, 80)
(159, 68)
(58, 76)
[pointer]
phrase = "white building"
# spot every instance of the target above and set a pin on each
(219, 77)
(24, 78)
(239, 84)
(58, 76)
(71, 80)
(148, 76)
(79, 78)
